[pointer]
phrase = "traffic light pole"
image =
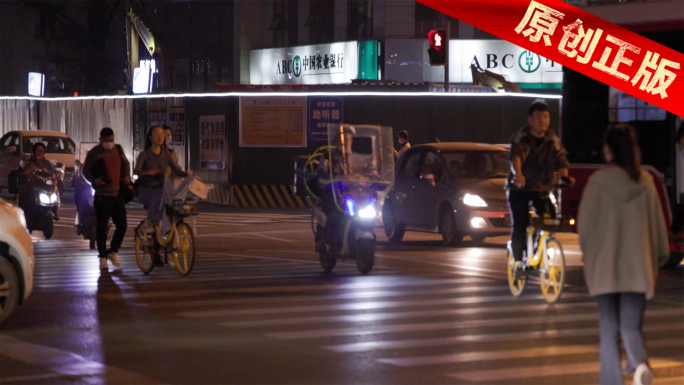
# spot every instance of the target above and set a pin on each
(446, 63)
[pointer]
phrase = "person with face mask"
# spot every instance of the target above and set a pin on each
(403, 143)
(107, 169)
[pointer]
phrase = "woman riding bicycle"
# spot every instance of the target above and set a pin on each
(150, 168)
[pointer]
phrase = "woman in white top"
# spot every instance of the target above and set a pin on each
(623, 237)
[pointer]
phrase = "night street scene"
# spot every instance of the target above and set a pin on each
(335, 192)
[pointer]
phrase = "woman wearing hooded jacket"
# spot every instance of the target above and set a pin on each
(623, 237)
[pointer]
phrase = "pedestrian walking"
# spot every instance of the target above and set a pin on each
(403, 144)
(108, 170)
(623, 237)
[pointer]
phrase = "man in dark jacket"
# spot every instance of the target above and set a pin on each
(537, 158)
(107, 169)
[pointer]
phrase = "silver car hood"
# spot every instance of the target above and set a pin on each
(485, 188)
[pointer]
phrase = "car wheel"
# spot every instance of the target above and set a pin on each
(447, 227)
(393, 229)
(9, 289)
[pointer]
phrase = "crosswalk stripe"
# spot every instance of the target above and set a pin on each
(367, 305)
(376, 317)
(490, 375)
(345, 287)
(489, 355)
(431, 326)
(333, 297)
(494, 337)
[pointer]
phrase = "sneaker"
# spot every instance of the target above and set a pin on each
(103, 264)
(169, 260)
(643, 375)
(114, 258)
(518, 270)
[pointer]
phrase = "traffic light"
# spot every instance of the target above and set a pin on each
(438, 47)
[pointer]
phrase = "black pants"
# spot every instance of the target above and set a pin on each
(109, 207)
(519, 205)
(333, 232)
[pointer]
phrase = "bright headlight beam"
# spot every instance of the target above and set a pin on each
(44, 198)
(474, 201)
(368, 212)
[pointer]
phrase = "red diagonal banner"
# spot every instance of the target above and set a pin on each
(579, 40)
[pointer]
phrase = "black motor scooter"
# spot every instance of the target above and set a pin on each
(40, 200)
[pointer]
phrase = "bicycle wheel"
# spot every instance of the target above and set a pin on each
(184, 249)
(552, 271)
(517, 286)
(144, 244)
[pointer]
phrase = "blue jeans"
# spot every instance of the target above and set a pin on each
(620, 315)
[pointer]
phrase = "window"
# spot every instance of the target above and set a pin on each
(321, 21)
(431, 169)
(53, 145)
(360, 20)
(626, 108)
(8, 142)
(476, 164)
(411, 165)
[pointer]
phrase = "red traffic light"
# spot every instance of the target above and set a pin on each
(438, 46)
(437, 37)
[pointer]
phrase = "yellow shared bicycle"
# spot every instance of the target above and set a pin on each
(543, 254)
(179, 237)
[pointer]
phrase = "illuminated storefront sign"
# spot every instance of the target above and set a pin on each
(407, 60)
(36, 84)
(335, 63)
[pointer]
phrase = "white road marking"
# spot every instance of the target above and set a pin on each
(494, 337)
(518, 372)
(431, 326)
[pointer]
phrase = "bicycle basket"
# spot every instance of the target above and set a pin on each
(553, 225)
(184, 208)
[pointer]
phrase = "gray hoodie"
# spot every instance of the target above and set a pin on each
(622, 232)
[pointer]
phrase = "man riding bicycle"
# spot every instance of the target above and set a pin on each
(537, 158)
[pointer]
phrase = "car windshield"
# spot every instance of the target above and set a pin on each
(476, 164)
(53, 144)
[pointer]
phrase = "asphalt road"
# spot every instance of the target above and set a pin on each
(257, 309)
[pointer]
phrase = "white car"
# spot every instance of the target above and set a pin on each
(16, 260)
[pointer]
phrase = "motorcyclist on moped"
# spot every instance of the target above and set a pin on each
(36, 162)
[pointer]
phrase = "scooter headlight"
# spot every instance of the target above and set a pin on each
(53, 198)
(44, 199)
(368, 212)
(92, 191)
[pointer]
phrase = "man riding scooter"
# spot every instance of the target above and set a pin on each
(39, 196)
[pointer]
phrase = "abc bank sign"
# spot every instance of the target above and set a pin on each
(334, 63)
(501, 57)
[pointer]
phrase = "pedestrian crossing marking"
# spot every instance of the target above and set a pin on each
(517, 373)
(493, 337)
(495, 355)
(464, 324)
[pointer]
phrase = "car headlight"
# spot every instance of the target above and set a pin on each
(368, 212)
(474, 201)
(53, 198)
(44, 198)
